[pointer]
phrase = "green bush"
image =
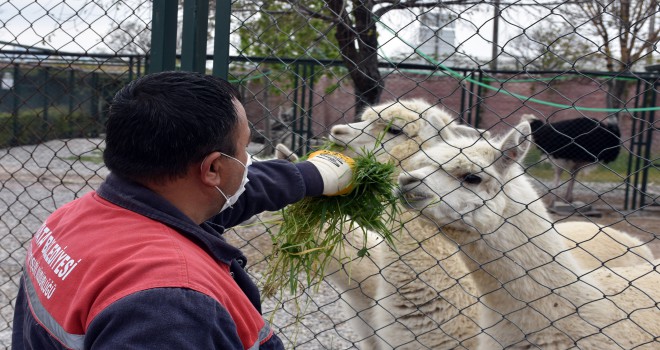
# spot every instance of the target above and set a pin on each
(31, 126)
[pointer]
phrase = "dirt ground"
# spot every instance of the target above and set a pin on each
(606, 209)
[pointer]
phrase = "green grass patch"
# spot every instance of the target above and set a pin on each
(33, 126)
(95, 156)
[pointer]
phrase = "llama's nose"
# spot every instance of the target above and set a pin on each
(408, 180)
(339, 130)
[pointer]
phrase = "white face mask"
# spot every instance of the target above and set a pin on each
(231, 200)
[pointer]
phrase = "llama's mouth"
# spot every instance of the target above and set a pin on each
(337, 139)
(416, 199)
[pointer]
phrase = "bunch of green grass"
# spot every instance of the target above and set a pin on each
(313, 229)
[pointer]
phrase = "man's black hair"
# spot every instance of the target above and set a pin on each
(161, 123)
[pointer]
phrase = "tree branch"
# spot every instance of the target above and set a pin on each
(400, 5)
(313, 14)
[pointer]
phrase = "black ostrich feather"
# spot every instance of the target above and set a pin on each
(581, 140)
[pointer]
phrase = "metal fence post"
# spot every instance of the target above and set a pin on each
(268, 148)
(15, 106)
(163, 36)
(310, 108)
(139, 66)
(46, 102)
(639, 159)
(649, 140)
(71, 89)
(94, 106)
(294, 120)
(130, 68)
(221, 40)
(193, 40)
(631, 155)
(479, 103)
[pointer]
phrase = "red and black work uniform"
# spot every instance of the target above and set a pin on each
(122, 268)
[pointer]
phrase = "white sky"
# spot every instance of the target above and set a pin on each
(473, 32)
(67, 26)
(71, 26)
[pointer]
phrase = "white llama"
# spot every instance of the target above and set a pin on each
(533, 291)
(408, 299)
(391, 123)
(409, 125)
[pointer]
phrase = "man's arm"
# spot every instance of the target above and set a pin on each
(273, 185)
(277, 183)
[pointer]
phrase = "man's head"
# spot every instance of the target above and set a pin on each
(161, 124)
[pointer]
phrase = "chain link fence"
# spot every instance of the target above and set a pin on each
(495, 259)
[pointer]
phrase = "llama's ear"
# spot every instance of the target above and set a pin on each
(434, 118)
(283, 152)
(446, 133)
(369, 113)
(469, 131)
(515, 145)
(437, 119)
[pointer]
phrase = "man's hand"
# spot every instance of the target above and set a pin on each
(336, 170)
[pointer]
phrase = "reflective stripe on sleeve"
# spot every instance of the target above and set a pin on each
(264, 334)
(72, 341)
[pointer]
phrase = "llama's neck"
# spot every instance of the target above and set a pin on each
(511, 257)
(525, 244)
(524, 277)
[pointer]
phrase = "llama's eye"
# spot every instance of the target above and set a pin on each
(394, 131)
(472, 179)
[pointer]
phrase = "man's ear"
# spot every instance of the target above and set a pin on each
(210, 169)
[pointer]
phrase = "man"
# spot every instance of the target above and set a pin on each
(136, 264)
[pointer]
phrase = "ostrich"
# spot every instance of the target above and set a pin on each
(575, 144)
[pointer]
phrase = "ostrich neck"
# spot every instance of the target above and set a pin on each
(612, 119)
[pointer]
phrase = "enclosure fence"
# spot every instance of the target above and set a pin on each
(523, 136)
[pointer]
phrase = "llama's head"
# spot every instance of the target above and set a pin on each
(397, 122)
(463, 183)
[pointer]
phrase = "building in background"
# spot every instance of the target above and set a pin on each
(437, 35)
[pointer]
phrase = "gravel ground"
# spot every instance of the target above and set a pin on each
(606, 203)
(38, 179)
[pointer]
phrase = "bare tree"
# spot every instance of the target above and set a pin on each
(353, 24)
(131, 37)
(552, 46)
(131, 30)
(624, 35)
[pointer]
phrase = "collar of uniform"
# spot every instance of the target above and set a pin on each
(139, 199)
